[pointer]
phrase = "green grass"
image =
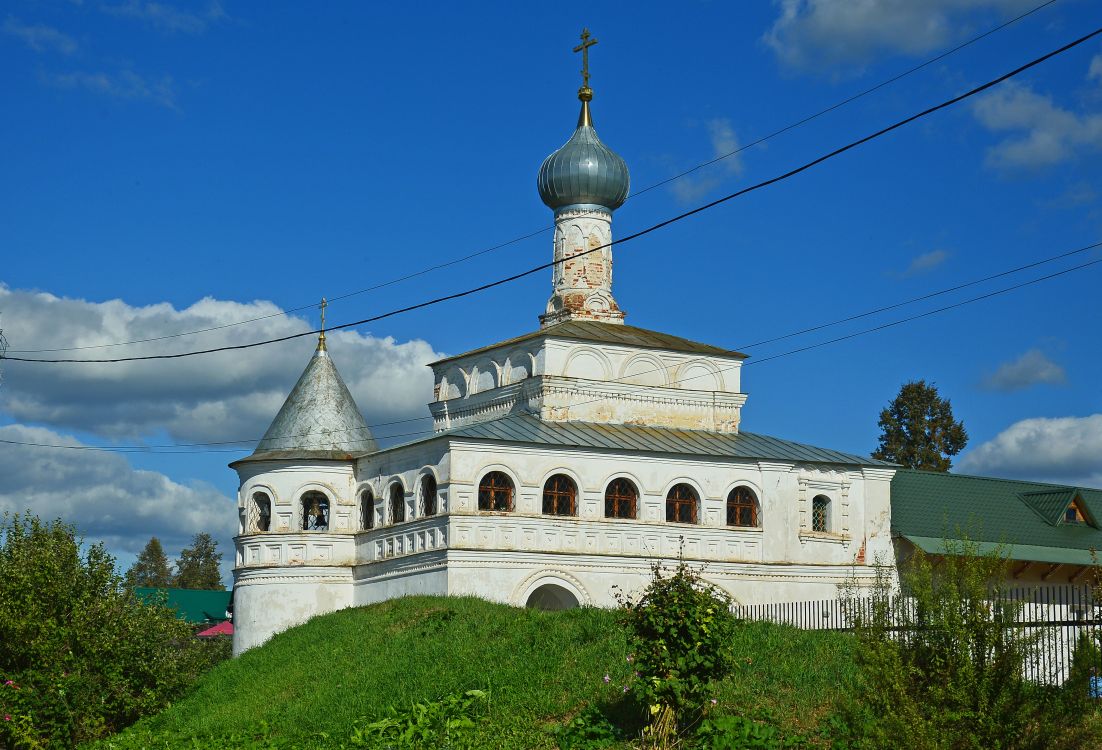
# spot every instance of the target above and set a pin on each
(539, 668)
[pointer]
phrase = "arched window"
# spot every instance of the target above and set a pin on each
(315, 511)
(397, 503)
(263, 505)
(820, 513)
(742, 507)
(428, 494)
(560, 496)
(367, 510)
(621, 498)
(681, 504)
(495, 492)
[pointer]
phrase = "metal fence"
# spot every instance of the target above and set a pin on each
(1049, 621)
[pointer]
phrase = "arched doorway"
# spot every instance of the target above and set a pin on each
(551, 598)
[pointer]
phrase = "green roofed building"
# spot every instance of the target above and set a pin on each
(1050, 531)
(194, 606)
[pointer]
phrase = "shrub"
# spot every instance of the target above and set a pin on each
(943, 667)
(680, 633)
(80, 656)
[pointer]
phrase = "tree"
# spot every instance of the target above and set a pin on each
(80, 655)
(198, 566)
(151, 569)
(918, 429)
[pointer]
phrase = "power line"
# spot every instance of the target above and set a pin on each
(791, 352)
(803, 331)
(470, 256)
(630, 237)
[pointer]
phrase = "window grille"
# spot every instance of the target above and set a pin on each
(621, 498)
(820, 513)
(428, 494)
(397, 503)
(315, 512)
(495, 492)
(742, 507)
(367, 510)
(263, 505)
(681, 504)
(560, 496)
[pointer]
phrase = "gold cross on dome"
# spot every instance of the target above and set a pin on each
(587, 42)
(324, 305)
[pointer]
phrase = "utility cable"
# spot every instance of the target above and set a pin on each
(470, 256)
(653, 228)
(791, 352)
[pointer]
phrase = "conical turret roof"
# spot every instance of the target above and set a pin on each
(319, 419)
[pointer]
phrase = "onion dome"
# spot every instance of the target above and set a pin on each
(319, 419)
(584, 170)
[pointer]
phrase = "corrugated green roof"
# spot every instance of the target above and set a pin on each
(608, 333)
(190, 604)
(525, 428)
(929, 506)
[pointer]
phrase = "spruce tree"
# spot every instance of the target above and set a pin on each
(918, 429)
(198, 566)
(151, 569)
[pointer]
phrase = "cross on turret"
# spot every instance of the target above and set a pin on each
(585, 93)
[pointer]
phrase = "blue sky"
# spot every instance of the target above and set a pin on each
(170, 166)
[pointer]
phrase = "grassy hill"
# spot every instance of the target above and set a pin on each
(312, 685)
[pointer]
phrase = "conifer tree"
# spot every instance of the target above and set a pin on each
(151, 569)
(198, 566)
(918, 429)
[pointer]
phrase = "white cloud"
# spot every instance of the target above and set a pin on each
(813, 33)
(1095, 71)
(106, 498)
(125, 84)
(1032, 368)
(167, 17)
(1064, 450)
(226, 396)
(1048, 135)
(723, 140)
(925, 263)
(41, 38)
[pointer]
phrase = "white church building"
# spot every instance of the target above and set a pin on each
(564, 463)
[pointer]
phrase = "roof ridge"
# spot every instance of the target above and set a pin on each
(928, 472)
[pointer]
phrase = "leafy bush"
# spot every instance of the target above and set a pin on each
(589, 730)
(680, 633)
(943, 668)
(444, 723)
(80, 656)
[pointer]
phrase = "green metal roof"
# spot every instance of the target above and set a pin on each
(526, 428)
(608, 333)
(1027, 517)
(190, 604)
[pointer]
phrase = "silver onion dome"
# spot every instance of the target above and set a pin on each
(584, 170)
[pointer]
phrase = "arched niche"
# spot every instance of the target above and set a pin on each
(483, 377)
(551, 597)
(587, 364)
(518, 367)
(699, 376)
(644, 369)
